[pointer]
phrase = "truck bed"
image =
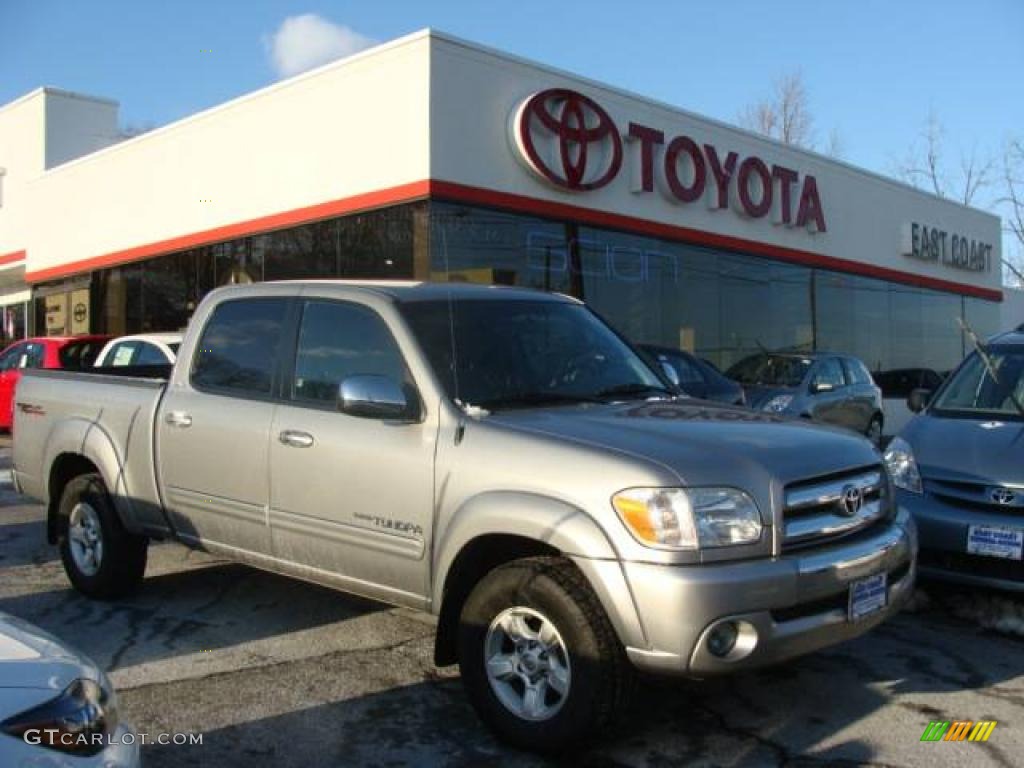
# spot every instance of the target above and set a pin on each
(59, 411)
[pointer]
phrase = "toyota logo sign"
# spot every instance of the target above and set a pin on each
(1003, 496)
(568, 139)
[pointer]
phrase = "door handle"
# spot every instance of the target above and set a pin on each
(178, 419)
(296, 439)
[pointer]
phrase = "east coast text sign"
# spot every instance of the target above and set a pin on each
(569, 140)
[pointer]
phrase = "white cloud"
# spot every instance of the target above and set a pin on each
(307, 41)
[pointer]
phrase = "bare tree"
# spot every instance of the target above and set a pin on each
(785, 115)
(1012, 204)
(925, 166)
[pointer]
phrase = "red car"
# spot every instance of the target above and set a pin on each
(42, 352)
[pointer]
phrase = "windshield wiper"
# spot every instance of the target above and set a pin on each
(527, 399)
(626, 390)
(983, 354)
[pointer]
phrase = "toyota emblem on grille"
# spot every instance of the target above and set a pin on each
(1003, 496)
(851, 500)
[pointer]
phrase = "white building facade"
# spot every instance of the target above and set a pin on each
(433, 158)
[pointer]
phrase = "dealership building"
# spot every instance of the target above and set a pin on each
(432, 158)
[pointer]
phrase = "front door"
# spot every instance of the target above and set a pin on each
(827, 392)
(214, 426)
(351, 496)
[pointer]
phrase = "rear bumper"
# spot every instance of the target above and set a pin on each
(786, 606)
(943, 532)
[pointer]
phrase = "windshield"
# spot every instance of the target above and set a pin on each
(515, 353)
(973, 390)
(768, 370)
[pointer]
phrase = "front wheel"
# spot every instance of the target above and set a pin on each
(102, 559)
(539, 658)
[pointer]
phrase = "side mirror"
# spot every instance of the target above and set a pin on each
(918, 399)
(372, 397)
(670, 372)
(821, 386)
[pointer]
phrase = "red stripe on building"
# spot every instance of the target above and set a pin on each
(348, 205)
(11, 258)
(449, 190)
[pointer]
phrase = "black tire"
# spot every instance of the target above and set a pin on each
(602, 679)
(122, 563)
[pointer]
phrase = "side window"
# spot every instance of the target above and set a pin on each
(79, 354)
(856, 373)
(35, 355)
(9, 359)
(828, 373)
(149, 354)
(338, 340)
(238, 350)
(688, 373)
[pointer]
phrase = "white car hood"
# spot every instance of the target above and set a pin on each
(31, 658)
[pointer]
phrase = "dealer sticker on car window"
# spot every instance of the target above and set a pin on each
(995, 541)
(867, 596)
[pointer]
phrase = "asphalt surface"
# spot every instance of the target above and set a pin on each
(274, 672)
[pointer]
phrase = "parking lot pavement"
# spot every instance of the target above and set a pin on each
(280, 673)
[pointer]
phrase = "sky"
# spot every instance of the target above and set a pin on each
(874, 70)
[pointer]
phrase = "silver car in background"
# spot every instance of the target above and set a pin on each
(57, 708)
(819, 386)
(959, 468)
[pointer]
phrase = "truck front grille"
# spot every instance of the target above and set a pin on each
(979, 497)
(821, 510)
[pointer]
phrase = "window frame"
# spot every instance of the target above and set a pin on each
(820, 366)
(287, 324)
(290, 353)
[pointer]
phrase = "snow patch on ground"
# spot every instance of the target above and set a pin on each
(989, 610)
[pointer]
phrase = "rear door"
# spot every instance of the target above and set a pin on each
(214, 424)
(350, 496)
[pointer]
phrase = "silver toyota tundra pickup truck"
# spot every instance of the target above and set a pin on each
(496, 456)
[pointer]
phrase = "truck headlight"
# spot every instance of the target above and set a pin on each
(778, 404)
(77, 721)
(688, 518)
(899, 460)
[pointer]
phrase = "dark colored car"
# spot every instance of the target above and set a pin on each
(958, 466)
(43, 352)
(821, 386)
(694, 376)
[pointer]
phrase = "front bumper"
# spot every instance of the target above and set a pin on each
(943, 532)
(796, 603)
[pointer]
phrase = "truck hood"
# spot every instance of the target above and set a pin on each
(704, 443)
(986, 451)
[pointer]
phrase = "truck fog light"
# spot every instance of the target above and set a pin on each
(722, 639)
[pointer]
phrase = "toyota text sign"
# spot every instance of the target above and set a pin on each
(568, 140)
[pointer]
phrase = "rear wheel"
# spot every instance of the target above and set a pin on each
(539, 658)
(102, 559)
